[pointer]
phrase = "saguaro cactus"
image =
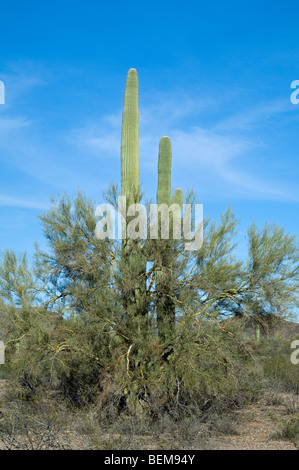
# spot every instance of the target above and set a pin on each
(164, 274)
(133, 260)
(130, 140)
(164, 171)
(164, 175)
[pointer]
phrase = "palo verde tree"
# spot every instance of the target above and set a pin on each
(96, 311)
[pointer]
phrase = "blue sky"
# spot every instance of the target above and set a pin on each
(213, 77)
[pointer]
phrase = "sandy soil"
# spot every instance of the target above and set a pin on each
(257, 428)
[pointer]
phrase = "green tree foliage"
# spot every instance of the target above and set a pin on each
(140, 322)
(67, 322)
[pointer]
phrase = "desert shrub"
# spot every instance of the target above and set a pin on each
(99, 330)
(290, 430)
(278, 368)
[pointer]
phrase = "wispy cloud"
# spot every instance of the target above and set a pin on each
(10, 124)
(9, 201)
(249, 118)
(220, 152)
(102, 139)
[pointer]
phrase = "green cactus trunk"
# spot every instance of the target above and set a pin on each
(130, 140)
(164, 171)
(165, 271)
(133, 262)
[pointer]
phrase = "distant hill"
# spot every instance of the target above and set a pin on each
(270, 327)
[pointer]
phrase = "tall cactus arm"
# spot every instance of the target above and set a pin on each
(164, 176)
(164, 171)
(177, 197)
(130, 139)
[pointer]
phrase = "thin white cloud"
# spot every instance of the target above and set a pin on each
(10, 201)
(101, 139)
(217, 152)
(208, 148)
(9, 124)
(257, 187)
(248, 118)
